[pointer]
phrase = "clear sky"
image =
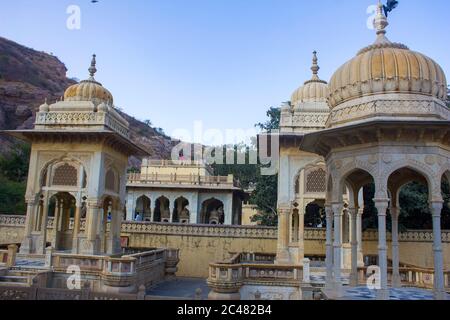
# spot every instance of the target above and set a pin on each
(222, 62)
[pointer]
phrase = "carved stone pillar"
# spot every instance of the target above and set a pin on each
(91, 244)
(283, 235)
(301, 235)
(76, 227)
(337, 211)
(396, 280)
(439, 291)
(171, 209)
(354, 250)
(26, 245)
(382, 205)
(42, 245)
(359, 236)
(329, 246)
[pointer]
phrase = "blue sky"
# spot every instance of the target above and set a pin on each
(222, 62)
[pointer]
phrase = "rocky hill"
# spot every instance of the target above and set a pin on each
(28, 77)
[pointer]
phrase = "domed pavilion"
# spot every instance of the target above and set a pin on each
(389, 125)
(79, 157)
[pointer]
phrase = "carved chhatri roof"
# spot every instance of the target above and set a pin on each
(386, 67)
(90, 89)
(313, 90)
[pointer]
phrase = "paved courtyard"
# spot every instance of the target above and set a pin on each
(363, 293)
(180, 288)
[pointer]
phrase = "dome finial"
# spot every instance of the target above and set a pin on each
(380, 22)
(315, 67)
(93, 69)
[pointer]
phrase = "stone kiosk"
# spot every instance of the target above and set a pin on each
(77, 180)
(389, 125)
(79, 158)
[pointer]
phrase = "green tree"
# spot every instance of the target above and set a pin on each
(13, 176)
(265, 195)
(14, 165)
(12, 195)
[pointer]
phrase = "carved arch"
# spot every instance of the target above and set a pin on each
(433, 179)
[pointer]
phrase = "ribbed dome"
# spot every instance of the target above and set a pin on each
(314, 90)
(89, 90)
(384, 68)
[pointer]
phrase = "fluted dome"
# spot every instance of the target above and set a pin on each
(314, 90)
(89, 90)
(385, 68)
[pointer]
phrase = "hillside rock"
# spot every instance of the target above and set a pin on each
(29, 77)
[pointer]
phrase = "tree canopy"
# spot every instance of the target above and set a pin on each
(13, 176)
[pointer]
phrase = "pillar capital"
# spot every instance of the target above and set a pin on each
(94, 203)
(381, 205)
(284, 209)
(436, 208)
(337, 208)
(394, 212)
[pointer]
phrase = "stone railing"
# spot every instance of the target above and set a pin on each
(410, 276)
(227, 277)
(58, 118)
(176, 179)
(409, 236)
(12, 220)
(123, 271)
(199, 230)
(174, 163)
(232, 231)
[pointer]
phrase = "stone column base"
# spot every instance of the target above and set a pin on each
(440, 295)
(382, 294)
(334, 291)
(26, 246)
(307, 291)
(396, 281)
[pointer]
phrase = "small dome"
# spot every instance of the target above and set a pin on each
(89, 90)
(384, 68)
(314, 90)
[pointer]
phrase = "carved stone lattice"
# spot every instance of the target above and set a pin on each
(316, 181)
(65, 175)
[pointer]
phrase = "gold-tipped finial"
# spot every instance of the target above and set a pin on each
(315, 67)
(93, 69)
(380, 22)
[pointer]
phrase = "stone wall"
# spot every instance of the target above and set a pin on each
(202, 244)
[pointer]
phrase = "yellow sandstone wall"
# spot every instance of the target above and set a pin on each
(200, 245)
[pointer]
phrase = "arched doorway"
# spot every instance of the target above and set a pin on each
(212, 212)
(315, 214)
(181, 211)
(62, 207)
(162, 211)
(408, 207)
(143, 208)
